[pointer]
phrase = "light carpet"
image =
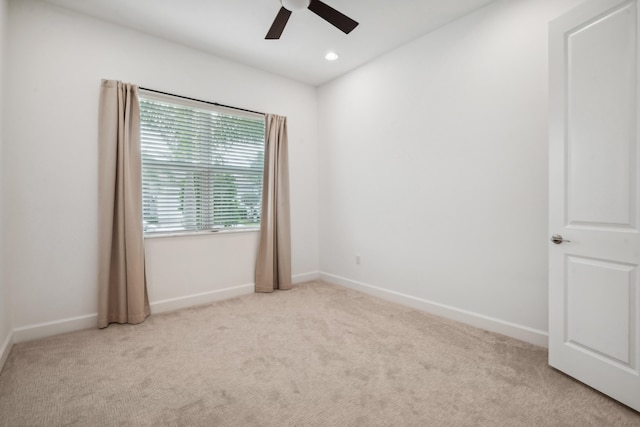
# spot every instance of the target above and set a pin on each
(317, 355)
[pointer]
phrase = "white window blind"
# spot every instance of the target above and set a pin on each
(201, 165)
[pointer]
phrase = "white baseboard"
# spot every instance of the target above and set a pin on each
(513, 330)
(218, 295)
(5, 349)
(199, 299)
(522, 333)
(306, 277)
(42, 330)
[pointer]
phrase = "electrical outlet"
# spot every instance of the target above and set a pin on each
(358, 259)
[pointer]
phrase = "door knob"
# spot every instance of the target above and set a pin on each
(557, 239)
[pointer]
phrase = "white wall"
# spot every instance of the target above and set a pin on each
(433, 162)
(56, 61)
(5, 318)
(434, 168)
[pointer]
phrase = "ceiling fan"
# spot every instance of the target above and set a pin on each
(323, 10)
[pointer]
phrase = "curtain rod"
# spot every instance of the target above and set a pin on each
(200, 100)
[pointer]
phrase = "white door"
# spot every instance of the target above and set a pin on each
(594, 292)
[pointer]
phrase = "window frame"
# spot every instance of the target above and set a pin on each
(201, 105)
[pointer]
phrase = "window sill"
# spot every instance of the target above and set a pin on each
(202, 233)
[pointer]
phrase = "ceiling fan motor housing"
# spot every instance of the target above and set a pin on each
(294, 5)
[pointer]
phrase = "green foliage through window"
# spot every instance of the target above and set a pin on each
(201, 166)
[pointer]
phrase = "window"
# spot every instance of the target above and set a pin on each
(201, 165)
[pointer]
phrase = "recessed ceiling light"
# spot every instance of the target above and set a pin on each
(331, 56)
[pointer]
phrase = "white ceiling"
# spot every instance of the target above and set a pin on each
(235, 29)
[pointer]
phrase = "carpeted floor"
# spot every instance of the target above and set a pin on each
(318, 355)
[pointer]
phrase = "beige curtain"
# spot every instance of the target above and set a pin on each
(122, 288)
(273, 267)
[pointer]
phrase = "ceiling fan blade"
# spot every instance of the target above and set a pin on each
(278, 24)
(332, 16)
